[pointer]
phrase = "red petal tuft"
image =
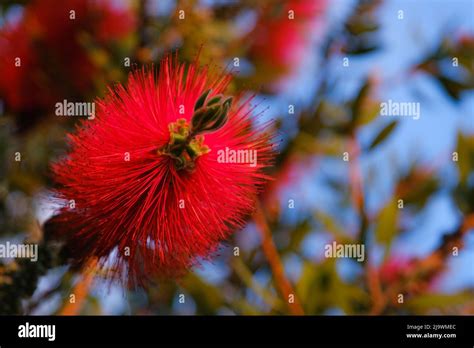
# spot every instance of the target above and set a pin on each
(169, 219)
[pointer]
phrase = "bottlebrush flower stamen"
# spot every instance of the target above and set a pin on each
(136, 209)
(184, 147)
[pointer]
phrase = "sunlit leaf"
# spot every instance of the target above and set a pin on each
(465, 154)
(386, 223)
(208, 298)
(383, 134)
(416, 187)
(428, 303)
(330, 225)
(365, 108)
(320, 288)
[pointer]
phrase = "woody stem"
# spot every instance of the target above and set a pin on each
(81, 290)
(284, 286)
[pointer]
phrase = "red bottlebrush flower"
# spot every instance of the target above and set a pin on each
(44, 56)
(467, 40)
(152, 176)
(283, 32)
(393, 269)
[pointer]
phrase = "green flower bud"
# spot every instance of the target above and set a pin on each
(212, 116)
(201, 100)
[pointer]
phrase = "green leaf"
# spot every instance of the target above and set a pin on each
(200, 101)
(297, 235)
(465, 150)
(426, 303)
(331, 226)
(384, 133)
(207, 297)
(453, 88)
(360, 27)
(364, 108)
(386, 224)
(416, 187)
(304, 143)
(264, 293)
(360, 47)
(320, 288)
(363, 94)
(369, 111)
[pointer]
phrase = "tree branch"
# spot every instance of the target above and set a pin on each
(283, 284)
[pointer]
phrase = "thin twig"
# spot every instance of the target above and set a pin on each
(357, 194)
(81, 290)
(375, 290)
(246, 276)
(283, 284)
(355, 174)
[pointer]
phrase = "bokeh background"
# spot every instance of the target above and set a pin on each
(321, 76)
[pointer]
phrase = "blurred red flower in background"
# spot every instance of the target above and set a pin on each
(147, 175)
(282, 33)
(46, 55)
(395, 268)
